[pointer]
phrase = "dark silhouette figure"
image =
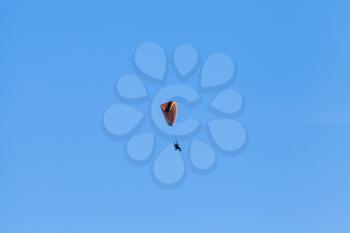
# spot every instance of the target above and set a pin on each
(177, 147)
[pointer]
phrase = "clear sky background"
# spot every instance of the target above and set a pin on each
(60, 173)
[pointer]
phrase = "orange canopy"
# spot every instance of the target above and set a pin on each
(169, 110)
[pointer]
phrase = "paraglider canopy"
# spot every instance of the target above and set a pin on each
(169, 110)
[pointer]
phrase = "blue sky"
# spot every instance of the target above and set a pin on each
(60, 173)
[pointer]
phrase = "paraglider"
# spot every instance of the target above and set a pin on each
(177, 146)
(169, 110)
